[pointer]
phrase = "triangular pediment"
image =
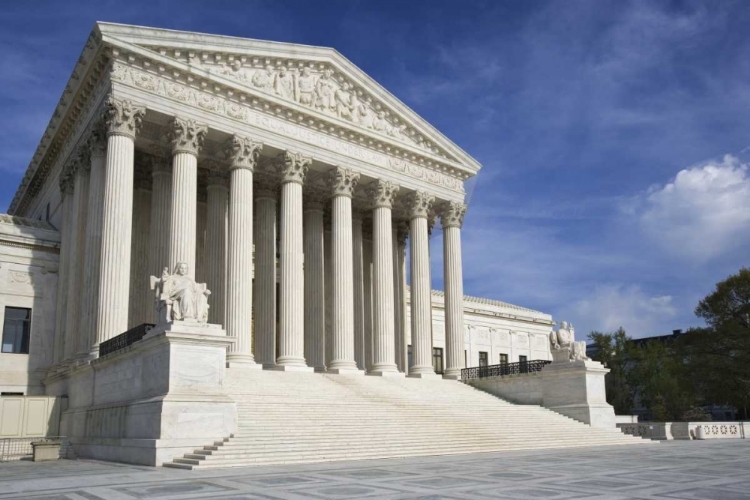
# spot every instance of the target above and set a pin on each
(318, 80)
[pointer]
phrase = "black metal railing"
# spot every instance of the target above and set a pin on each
(124, 339)
(504, 369)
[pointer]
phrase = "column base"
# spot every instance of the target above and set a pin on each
(242, 361)
(291, 368)
(345, 371)
(428, 376)
(389, 374)
(320, 369)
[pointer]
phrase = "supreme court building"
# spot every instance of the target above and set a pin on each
(289, 182)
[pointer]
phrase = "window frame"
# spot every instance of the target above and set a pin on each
(25, 340)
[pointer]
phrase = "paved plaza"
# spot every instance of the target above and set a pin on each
(711, 470)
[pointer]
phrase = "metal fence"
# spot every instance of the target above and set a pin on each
(21, 449)
(124, 339)
(504, 369)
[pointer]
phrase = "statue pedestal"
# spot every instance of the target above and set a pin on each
(576, 390)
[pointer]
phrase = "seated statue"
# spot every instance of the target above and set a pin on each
(564, 346)
(179, 297)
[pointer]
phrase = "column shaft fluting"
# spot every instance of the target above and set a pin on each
(161, 220)
(359, 293)
(77, 260)
(397, 323)
(328, 292)
(421, 316)
(343, 284)
(141, 301)
(216, 250)
(240, 266)
(64, 268)
(201, 221)
(112, 311)
(90, 302)
(383, 324)
(367, 299)
(264, 293)
(401, 284)
(315, 321)
(452, 218)
(182, 240)
(292, 280)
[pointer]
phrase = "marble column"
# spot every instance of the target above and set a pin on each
(420, 205)
(315, 307)
(123, 120)
(292, 168)
(243, 154)
(201, 223)
(328, 287)
(186, 137)
(359, 291)
(367, 292)
(161, 218)
(342, 182)
(399, 262)
(264, 291)
(397, 331)
(67, 182)
(97, 144)
(452, 216)
(77, 257)
(217, 196)
(381, 195)
(141, 300)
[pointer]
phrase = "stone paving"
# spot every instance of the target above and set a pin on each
(695, 470)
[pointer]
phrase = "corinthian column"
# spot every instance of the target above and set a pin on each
(359, 291)
(367, 290)
(399, 275)
(264, 286)
(382, 194)
(452, 218)
(243, 154)
(141, 301)
(123, 120)
(397, 312)
(66, 189)
(293, 169)
(315, 321)
(97, 144)
(77, 251)
(342, 182)
(216, 245)
(420, 205)
(161, 217)
(187, 138)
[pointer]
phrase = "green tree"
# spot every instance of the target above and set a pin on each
(611, 350)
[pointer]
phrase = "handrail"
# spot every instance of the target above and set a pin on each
(504, 369)
(124, 339)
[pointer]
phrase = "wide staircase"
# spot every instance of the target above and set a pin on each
(292, 417)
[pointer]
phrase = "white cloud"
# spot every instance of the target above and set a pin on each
(702, 214)
(614, 306)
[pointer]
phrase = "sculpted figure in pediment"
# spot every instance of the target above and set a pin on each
(234, 70)
(343, 99)
(284, 84)
(306, 87)
(381, 123)
(363, 115)
(324, 92)
(263, 79)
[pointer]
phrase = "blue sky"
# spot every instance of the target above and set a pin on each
(614, 135)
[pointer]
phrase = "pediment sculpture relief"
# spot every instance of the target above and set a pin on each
(179, 297)
(564, 346)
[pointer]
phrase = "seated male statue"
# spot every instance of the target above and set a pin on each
(179, 297)
(564, 346)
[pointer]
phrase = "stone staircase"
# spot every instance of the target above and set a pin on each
(293, 417)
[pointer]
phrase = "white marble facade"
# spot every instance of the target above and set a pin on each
(285, 179)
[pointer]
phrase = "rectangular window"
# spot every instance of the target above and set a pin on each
(524, 367)
(437, 360)
(16, 330)
(482, 358)
(503, 359)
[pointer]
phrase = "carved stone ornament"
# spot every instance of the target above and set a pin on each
(82, 159)
(186, 135)
(97, 141)
(123, 117)
(342, 181)
(452, 214)
(67, 181)
(293, 167)
(564, 347)
(420, 204)
(242, 152)
(179, 297)
(382, 193)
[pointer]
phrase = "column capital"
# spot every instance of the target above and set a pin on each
(97, 141)
(402, 233)
(382, 193)
(292, 167)
(67, 181)
(266, 187)
(186, 135)
(342, 181)
(82, 159)
(452, 214)
(123, 117)
(242, 152)
(419, 204)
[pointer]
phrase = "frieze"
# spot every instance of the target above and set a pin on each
(244, 112)
(20, 277)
